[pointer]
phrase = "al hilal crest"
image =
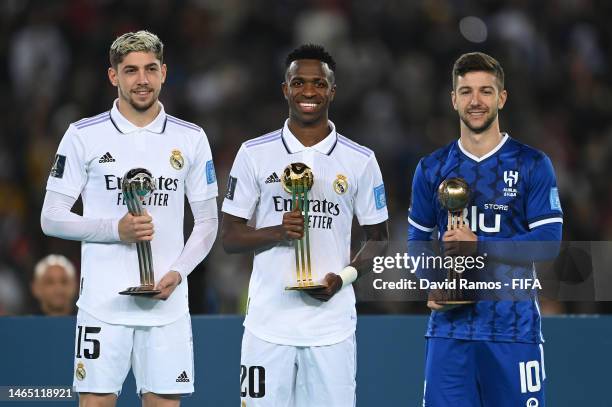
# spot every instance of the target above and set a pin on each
(511, 179)
(176, 159)
(340, 184)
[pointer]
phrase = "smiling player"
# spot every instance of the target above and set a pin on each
(115, 332)
(489, 353)
(298, 348)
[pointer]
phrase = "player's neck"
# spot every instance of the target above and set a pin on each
(480, 144)
(136, 117)
(309, 134)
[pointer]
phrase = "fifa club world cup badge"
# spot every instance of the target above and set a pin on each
(80, 371)
(176, 159)
(340, 184)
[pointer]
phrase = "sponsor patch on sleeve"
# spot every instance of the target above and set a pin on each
(210, 172)
(231, 187)
(59, 165)
(379, 196)
(555, 202)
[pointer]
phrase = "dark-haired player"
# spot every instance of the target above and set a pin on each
(298, 348)
(489, 353)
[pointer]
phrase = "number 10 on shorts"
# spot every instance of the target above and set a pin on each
(530, 376)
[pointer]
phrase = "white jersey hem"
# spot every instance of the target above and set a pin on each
(373, 220)
(319, 341)
(153, 320)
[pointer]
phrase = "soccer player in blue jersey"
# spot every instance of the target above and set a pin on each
(488, 353)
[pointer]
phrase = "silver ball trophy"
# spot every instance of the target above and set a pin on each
(138, 184)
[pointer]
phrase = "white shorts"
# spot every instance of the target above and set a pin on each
(161, 356)
(273, 375)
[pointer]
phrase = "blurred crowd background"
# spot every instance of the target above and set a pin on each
(225, 66)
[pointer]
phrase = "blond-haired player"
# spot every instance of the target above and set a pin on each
(152, 335)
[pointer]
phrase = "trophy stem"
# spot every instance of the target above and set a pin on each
(296, 242)
(307, 237)
(455, 221)
(302, 254)
(143, 248)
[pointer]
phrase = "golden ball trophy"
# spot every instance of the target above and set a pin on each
(454, 196)
(298, 180)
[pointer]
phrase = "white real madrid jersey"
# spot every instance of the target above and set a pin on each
(347, 182)
(91, 160)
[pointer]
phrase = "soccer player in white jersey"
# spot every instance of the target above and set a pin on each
(298, 348)
(115, 332)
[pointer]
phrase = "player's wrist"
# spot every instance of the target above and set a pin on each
(348, 275)
(115, 230)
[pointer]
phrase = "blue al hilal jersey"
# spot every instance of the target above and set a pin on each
(513, 192)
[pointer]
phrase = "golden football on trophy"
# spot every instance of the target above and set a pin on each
(299, 175)
(454, 194)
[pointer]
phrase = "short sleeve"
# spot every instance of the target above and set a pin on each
(242, 192)
(371, 201)
(201, 182)
(543, 204)
(421, 214)
(68, 173)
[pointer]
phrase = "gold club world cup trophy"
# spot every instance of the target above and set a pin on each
(138, 184)
(297, 180)
(454, 196)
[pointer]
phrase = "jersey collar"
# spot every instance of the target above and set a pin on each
(293, 145)
(158, 125)
(487, 155)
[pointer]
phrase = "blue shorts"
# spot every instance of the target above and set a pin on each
(460, 373)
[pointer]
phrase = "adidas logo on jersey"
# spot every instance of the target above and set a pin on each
(272, 178)
(106, 158)
(182, 378)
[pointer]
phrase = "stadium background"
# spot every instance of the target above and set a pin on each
(225, 65)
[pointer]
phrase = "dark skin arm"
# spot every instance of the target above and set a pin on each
(237, 237)
(377, 241)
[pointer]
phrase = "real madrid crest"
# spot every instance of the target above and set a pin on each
(340, 184)
(80, 371)
(176, 159)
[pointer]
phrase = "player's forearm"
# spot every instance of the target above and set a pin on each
(364, 260)
(540, 244)
(197, 247)
(420, 243)
(240, 238)
(376, 245)
(57, 220)
(201, 239)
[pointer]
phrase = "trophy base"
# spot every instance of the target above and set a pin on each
(141, 290)
(304, 287)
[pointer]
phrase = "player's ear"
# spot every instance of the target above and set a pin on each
(285, 90)
(164, 71)
(454, 99)
(332, 92)
(112, 76)
(503, 96)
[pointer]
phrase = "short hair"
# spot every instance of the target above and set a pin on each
(311, 51)
(54, 260)
(478, 61)
(139, 41)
